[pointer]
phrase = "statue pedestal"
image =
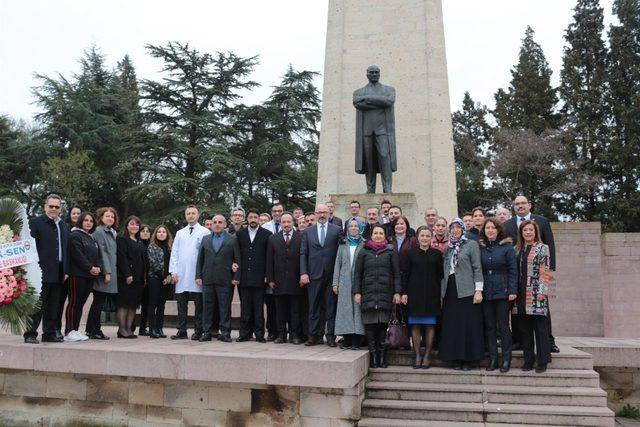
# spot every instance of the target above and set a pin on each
(407, 201)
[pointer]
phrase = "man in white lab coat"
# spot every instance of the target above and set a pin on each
(182, 266)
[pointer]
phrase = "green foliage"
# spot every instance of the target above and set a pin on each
(10, 214)
(629, 411)
(530, 100)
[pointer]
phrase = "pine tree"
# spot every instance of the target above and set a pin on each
(622, 207)
(189, 113)
(529, 102)
(472, 136)
(584, 96)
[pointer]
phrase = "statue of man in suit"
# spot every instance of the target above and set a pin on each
(375, 131)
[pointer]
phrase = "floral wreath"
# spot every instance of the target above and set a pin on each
(18, 300)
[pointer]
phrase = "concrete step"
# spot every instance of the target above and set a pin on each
(550, 378)
(486, 393)
(568, 358)
(491, 413)
(390, 422)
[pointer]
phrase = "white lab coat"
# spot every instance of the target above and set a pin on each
(184, 256)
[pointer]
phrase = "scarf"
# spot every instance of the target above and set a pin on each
(355, 240)
(456, 242)
(378, 248)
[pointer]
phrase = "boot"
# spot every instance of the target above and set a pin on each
(506, 365)
(493, 364)
(382, 354)
(373, 359)
(373, 354)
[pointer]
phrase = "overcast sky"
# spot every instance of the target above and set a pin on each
(48, 37)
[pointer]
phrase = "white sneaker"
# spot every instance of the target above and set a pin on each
(82, 336)
(72, 337)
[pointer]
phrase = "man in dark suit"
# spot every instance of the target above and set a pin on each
(217, 276)
(253, 242)
(51, 235)
(335, 220)
(394, 213)
(373, 217)
(318, 250)
(522, 209)
(283, 275)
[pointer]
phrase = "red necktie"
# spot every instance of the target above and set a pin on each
(287, 240)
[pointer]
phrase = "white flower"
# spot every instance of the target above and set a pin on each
(6, 235)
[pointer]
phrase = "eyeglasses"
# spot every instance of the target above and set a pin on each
(54, 206)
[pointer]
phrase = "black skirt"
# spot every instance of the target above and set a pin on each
(129, 296)
(462, 330)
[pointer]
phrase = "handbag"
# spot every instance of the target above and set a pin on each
(397, 332)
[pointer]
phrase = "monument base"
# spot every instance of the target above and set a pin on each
(407, 201)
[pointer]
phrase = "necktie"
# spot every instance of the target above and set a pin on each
(521, 219)
(277, 227)
(322, 234)
(287, 239)
(190, 230)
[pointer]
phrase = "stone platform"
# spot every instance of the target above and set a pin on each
(162, 382)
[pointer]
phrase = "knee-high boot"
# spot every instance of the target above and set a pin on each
(382, 349)
(371, 342)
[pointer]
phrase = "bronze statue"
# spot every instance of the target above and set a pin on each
(375, 131)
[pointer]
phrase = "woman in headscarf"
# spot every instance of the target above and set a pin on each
(462, 341)
(348, 316)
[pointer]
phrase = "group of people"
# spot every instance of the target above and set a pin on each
(476, 283)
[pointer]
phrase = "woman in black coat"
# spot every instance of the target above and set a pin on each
(85, 267)
(423, 275)
(158, 284)
(499, 272)
(376, 288)
(133, 265)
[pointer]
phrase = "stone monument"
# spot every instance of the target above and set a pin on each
(405, 38)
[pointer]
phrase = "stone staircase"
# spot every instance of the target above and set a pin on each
(568, 394)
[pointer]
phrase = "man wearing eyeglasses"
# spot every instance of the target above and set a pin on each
(318, 249)
(51, 235)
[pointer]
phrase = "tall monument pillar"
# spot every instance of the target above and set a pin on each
(405, 38)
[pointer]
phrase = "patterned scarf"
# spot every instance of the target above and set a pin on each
(355, 240)
(456, 242)
(378, 248)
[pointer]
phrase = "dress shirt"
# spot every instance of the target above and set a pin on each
(252, 233)
(520, 219)
(216, 240)
(320, 226)
(57, 223)
(399, 240)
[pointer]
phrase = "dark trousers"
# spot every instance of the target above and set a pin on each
(93, 320)
(377, 151)
(50, 313)
(516, 328)
(537, 326)
(272, 314)
(288, 312)
(496, 321)
(217, 297)
(79, 290)
(157, 296)
(64, 293)
(144, 308)
(321, 297)
(376, 334)
(183, 306)
(252, 301)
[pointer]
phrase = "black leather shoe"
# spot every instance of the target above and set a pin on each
(261, 340)
(555, 349)
(31, 340)
(154, 334)
(132, 336)
(312, 341)
(52, 339)
(224, 338)
(542, 367)
(59, 335)
(181, 335)
(506, 365)
(296, 341)
(205, 337)
(493, 365)
(239, 339)
(271, 337)
(98, 336)
(144, 333)
(331, 342)
(279, 340)
(466, 367)
(526, 368)
(196, 336)
(161, 334)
